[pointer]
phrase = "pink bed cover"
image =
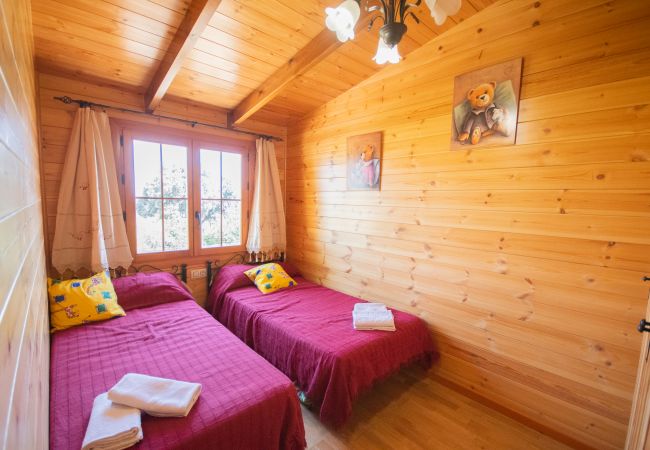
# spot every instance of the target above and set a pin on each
(306, 331)
(245, 403)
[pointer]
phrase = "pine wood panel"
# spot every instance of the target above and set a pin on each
(56, 123)
(24, 336)
(244, 44)
(525, 261)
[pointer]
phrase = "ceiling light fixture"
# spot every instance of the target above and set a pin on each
(393, 13)
(343, 18)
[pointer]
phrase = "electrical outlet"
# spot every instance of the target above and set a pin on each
(199, 273)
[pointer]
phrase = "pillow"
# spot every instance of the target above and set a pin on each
(78, 301)
(231, 277)
(148, 289)
(269, 278)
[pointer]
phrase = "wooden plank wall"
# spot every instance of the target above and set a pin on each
(56, 123)
(525, 261)
(24, 321)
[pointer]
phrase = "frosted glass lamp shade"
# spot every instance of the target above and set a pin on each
(342, 19)
(441, 9)
(386, 54)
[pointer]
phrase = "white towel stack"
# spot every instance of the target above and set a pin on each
(372, 316)
(115, 419)
(159, 397)
(111, 426)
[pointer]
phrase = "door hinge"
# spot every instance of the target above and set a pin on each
(122, 140)
(122, 178)
(124, 215)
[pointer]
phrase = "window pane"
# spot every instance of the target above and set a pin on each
(210, 174)
(146, 165)
(231, 222)
(174, 159)
(176, 226)
(148, 224)
(210, 223)
(231, 184)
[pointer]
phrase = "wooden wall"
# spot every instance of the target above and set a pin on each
(56, 123)
(24, 337)
(525, 261)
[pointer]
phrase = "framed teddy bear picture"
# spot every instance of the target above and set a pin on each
(364, 162)
(485, 106)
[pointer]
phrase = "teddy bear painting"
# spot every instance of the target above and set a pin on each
(486, 105)
(364, 162)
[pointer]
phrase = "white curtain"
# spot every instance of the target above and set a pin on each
(90, 231)
(267, 232)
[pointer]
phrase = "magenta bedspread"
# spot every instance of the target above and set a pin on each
(307, 333)
(245, 403)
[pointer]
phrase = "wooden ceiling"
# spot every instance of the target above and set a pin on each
(273, 60)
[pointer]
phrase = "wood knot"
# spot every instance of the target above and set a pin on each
(537, 4)
(479, 30)
(600, 176)
(536, 23)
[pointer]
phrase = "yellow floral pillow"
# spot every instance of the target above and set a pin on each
(270, 277)
(74, 302)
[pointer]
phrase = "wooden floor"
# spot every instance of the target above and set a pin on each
(409, 411)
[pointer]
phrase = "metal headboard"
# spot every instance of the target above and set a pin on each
(213, 267)
(179, 270)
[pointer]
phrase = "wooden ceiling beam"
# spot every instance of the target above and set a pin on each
(307, 57)
(195, 21)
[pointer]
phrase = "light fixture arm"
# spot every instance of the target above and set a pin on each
(393, 14)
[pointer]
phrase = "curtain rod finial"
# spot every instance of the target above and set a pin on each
(65, 99)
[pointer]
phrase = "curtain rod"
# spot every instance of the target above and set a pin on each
(83, 104)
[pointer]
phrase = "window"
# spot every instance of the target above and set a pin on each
(220, 198)
(161, 197)
(185, 195)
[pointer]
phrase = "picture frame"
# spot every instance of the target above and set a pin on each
(486, 106)
(364, 162)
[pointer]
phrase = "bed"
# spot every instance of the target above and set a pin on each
(306, 332)
(245, 402)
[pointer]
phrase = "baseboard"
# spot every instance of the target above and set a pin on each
(544, 429)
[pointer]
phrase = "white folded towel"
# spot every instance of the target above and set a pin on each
(156, 396)
(362, 307)
(372, 316)
(112, 426)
